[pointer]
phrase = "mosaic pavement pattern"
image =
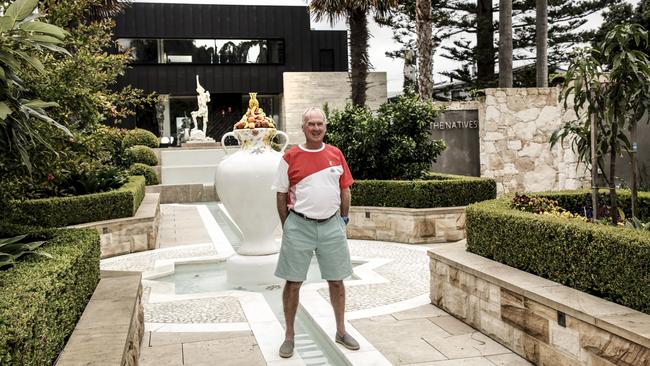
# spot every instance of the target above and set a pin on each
(402, 284)
(208, 310)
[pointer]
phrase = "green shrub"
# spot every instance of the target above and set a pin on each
(105, 145)
(148, 172)
(395, 143)
(42, 300)
(579, 201)
(64, 211)
(141, 154)
(438, 190)
(139, 136)
(606, 261)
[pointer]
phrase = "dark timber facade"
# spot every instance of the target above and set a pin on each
(233, 49)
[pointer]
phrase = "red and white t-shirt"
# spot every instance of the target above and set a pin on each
(313, 179)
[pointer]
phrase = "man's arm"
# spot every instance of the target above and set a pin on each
(345, 201)
(283, 210)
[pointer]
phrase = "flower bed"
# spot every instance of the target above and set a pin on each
(609, 262)
(438, 190)
(64, 211)
(42, 298)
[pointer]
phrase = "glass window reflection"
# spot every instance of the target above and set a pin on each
(206, 51)
(143, 51)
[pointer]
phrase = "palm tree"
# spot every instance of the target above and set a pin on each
(355, 12)
(505, 43)
(541, 38)
(425, 48)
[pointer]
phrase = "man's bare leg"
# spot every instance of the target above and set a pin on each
(337, 298)
(290, 299)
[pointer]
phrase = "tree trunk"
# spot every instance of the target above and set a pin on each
(612, 175)
(541, 30)
(594, 167)
(635, 169)
(484, 43)
(425, 48)
(505, 43)
(358, 56)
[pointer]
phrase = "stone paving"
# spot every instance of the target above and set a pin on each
(208, 310)
(427, 335)
(424, 335)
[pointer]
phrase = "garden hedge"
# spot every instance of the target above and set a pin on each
(141, 154)
(42, 299)
(139, 136)
(605, 261)
(149, 173)
(437, 190)
(64, 211)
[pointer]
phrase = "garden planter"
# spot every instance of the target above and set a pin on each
(243, 181)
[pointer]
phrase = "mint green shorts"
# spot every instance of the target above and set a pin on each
(302, 238)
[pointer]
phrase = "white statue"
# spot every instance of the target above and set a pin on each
(202, 98)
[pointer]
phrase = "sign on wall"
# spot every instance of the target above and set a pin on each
(459, 130)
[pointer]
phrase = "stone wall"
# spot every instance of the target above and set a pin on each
(313, 89)
(407, 225)
(515, 128)
(111, 327)
(542, 321)
(130, 234)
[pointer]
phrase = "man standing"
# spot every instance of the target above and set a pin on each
(313, 183)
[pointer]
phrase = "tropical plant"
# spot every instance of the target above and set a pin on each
(635, 223)
(11, 249)
(615, 99)
(23, 40)
(355, 11)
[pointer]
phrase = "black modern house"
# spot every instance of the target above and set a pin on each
(234, 50)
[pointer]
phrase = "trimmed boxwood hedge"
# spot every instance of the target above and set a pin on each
(141, 154)
(42, 299)
(605, 261)
(149, 174)
(64, 211)
(437, 190)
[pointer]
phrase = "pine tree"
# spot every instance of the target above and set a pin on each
(450, 17)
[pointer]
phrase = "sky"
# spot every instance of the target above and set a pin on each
(380, 42)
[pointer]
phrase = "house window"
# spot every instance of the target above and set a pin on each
(205, 51)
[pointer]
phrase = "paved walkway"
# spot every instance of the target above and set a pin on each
(387, 308)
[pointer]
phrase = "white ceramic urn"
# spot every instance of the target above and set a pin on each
(243, 181)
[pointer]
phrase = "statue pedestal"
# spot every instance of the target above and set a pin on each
(198, 135)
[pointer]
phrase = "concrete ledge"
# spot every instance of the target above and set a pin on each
(112, 325)
(184, 193)
(130, 234)
(407, 225)
(541, 320)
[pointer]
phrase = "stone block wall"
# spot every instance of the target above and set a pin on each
(542, 321)
(515, 128)
(407, 225)
(313, 89)
(130, 234)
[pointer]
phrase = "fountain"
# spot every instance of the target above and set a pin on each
(243, 182)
